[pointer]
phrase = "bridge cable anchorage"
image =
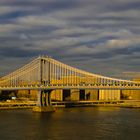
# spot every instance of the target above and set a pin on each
(46, 72)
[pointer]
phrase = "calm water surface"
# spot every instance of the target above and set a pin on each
(98, 123)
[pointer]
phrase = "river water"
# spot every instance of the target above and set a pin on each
(91, 123)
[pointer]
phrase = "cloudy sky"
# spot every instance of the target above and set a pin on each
(100, 36)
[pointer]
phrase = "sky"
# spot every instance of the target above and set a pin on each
(99, 36)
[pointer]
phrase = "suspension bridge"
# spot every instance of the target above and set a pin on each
(46, 74)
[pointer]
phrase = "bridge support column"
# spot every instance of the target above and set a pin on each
(44, 102)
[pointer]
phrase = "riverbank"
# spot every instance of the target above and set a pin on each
(30, 104)
(17, 105)
(120, 103)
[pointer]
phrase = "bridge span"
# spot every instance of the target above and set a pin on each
(46, 74)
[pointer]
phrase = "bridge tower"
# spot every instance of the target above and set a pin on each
(44, 96)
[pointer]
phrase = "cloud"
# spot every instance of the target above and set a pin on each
(40, 21)
(78, 31)
(6, 9)
(4, 28)
(123, 43)
(24, 36)
(115, 43)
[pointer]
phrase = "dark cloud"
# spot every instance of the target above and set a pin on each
(87, 32)
(124, 6)
(17, 52)
(48, 5)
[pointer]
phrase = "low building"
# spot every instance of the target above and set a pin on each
(109, 94)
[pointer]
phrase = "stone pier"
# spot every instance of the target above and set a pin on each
(44, 102)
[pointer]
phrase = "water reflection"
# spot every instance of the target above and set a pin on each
(72, 123)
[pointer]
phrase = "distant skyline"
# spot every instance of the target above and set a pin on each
(101, 37)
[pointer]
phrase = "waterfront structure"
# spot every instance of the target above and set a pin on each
(45, 75)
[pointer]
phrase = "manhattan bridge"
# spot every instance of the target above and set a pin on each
(46, 74)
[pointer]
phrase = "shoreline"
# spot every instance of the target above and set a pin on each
(120, 103)
(70, 104)
(17, 105)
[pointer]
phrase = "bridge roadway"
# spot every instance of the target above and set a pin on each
(74, 86)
